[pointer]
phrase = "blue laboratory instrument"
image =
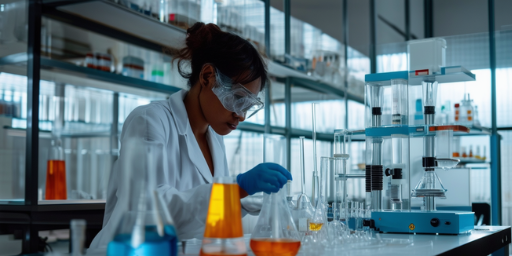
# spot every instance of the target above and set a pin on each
(394, 138)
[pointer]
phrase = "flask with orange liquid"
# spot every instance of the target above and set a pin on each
(56, 188)
(223, 234)
(275, 232)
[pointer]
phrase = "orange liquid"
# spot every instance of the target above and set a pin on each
(470, 153)
(275, 247)
(464, 154)
(56, 180)
(456, 154)
(219, 254)
(224, 218)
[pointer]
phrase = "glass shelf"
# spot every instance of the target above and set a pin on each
(60, 71)
(112, 19)
(46, 134)
(302, 80)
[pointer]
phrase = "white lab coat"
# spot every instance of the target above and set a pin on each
(186, 185)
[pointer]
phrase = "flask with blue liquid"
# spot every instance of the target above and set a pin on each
(146, 227)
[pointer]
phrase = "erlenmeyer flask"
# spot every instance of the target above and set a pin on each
(146, 227)
(223, 234)
(275, 233)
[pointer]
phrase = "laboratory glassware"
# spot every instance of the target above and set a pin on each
(146, 226)
(320, 216)
(456, 147)
(56, 187)
(77, 237)
(399, 107)
(463, 152)
(475, 117)
(223, 234)
(303, 211)
(275, 232)
(315, 186)
(274, 149)
(477, 153)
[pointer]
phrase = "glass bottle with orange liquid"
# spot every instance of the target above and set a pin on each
(223, 234)
(56, 188)
(275, 232)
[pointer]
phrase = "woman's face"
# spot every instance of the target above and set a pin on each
(220, 119)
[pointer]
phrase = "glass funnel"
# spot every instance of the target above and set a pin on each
(429, 186)
(223, 234)
(146, 227)
(275, 232)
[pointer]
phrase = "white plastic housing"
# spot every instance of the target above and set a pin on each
(427, 56)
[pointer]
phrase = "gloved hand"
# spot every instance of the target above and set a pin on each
(266, 177)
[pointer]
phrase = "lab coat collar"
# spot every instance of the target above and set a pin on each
(196, 155)
(179, 112)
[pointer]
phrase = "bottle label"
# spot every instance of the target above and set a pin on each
(303, 224)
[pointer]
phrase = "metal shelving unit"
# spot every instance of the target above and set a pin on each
(108, 19)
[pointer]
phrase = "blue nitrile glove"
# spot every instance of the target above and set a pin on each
(266, 177)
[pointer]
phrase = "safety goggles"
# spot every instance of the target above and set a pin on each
(235, 97)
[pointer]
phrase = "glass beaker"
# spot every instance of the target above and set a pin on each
(275, 232)
(146, 227)
(223, 234)
(56, 187)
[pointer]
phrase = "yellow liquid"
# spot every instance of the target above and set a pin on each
(224, 218)
(315, 226)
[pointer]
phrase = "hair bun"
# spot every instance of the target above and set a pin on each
(200, 34)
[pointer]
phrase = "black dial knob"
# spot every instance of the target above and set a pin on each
(434, 222)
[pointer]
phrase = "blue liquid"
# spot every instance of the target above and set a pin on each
(153, 245)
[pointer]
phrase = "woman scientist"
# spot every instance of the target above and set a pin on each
(227, 74)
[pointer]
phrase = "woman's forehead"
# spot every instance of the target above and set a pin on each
(254, 86)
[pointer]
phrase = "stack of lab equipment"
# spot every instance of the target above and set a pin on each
(394, 214)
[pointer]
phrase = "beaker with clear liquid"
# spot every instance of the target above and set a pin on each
(275, 233)
(223, 234)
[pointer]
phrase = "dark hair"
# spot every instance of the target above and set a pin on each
(232, 55)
